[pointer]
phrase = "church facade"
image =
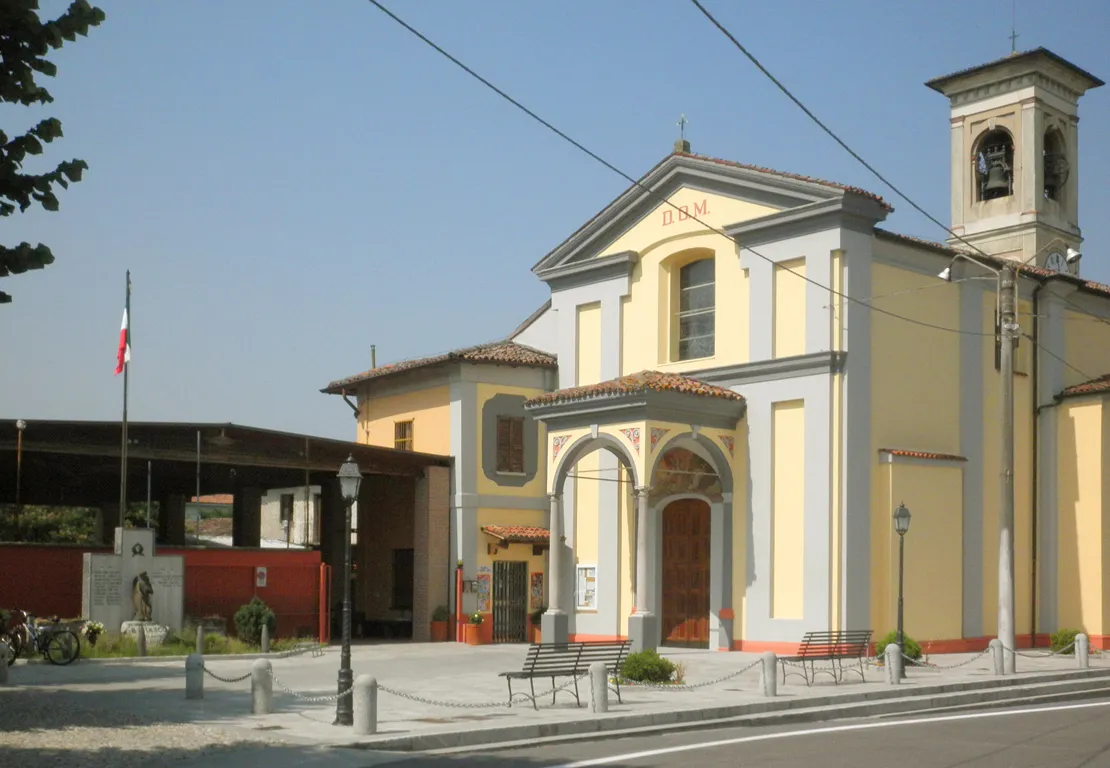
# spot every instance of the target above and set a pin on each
(701, 437)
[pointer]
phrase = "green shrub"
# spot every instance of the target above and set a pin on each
(440, 613)
(1063, 641)
(647, 667)
(537, 615)
(250, 619)
(912, 649)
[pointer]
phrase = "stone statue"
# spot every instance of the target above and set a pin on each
(141, 590)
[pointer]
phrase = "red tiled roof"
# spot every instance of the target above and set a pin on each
(922, 454)
(1094, 386)
(496, 353)
(214, 498)
(638, 382)
(797, 177)
(518, 534)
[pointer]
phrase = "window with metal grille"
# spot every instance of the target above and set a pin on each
(696, 304)
(402, 579)
(402, 435)
(510, 444)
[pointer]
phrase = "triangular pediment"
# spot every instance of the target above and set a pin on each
(716, 192)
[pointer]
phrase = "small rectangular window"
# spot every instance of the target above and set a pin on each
(510, 444)
(585, 593)
(403, 435)
(696, 305)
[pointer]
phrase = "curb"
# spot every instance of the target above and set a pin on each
(881, 699)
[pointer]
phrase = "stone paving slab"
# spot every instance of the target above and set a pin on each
(452, 673)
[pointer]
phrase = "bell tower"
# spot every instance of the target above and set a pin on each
(1015, 155)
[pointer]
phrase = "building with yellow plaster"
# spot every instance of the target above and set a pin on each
(739, 375)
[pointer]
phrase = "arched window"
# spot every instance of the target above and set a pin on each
(696, 305)
(1056, 167)
(994, 165)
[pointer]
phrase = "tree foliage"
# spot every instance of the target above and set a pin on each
(25, 41)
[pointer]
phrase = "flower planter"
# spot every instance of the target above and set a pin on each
(439, 631)
(474, 634)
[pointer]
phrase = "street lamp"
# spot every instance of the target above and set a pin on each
(349, 480)
(901, 525)
(20, 425)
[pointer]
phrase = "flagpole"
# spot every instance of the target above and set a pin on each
(123, 446)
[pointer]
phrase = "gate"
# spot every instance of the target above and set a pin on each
(510, 601)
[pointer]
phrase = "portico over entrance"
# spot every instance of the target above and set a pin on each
(640, 474)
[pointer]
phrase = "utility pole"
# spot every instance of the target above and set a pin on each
(1007, 328)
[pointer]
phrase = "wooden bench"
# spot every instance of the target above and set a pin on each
(572, 659)
(833, 646)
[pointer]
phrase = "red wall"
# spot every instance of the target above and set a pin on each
(46, 581)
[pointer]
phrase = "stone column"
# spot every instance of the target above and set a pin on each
(643, 627)
(555, 622)
(171, 519)
(246, 518)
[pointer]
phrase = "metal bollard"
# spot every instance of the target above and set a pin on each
(200, 640)
(768, 679)
(262, 687)
(140, 641)
(1082, 651)
(599, 687)
(365, 705)
(194, 676)
(995, 646)
(893, 655)
(265, 638)
(3, 663)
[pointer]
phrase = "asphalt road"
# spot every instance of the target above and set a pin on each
(1065, 736)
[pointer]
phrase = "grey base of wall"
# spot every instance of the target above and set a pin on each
(889, 700)
(554, 627)
(643, 631)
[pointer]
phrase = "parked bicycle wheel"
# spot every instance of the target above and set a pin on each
(62, 647)
(15, 645)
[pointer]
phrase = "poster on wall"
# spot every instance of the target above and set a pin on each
(485, 579)
(536, 592)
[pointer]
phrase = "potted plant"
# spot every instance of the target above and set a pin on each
(92, 630)
(534, 630)
(474, 629)
(439, 624)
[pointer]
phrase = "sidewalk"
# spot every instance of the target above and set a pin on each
(447, 689)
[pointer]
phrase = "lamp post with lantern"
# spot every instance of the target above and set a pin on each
(20, 425)
(349, 480)
(901, 525)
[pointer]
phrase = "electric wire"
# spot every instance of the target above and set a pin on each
(652, 192)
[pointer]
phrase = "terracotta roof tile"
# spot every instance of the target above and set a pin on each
(1094, 386)
(638, 382)
(213, 498)
(497, 353)
(522, 534)
(797, 177)
(922, 454)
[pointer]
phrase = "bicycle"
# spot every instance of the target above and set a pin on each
(58, 646)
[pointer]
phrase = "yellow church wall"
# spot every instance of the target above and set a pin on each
(588, 345)
(789, 336)
(1085, 347)
(428, 409)
(915, 405)
(787, 508)
(537, 486)
(587, 476)
(933, 578)
(1081, 546)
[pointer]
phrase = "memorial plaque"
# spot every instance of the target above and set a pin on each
(108, 579)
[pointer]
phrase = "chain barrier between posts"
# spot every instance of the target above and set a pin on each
(684, 687)
(478, 705)
(309, 699)
(1063, 651)
(957, 665)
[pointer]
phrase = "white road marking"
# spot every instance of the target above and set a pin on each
(831, 729)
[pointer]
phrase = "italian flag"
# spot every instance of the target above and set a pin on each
(123, 354)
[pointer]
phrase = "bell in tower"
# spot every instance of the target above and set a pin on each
(995, 165)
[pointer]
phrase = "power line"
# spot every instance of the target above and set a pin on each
(652, 192)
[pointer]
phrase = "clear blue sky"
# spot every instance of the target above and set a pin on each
(291, 182)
